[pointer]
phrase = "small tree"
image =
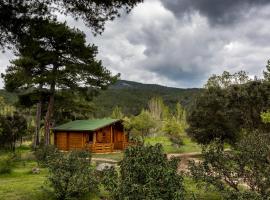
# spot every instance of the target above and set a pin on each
(155, 106)
(117, 113)
(12, 128)
(246, 166)
(145, 174)
(173, 129)
(71, 175)
(143, 123)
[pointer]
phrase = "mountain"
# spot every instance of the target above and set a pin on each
(132, 97)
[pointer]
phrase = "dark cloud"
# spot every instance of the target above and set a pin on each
(217, 11)
(156, 43)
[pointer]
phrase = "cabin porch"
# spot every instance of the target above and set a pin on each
(106, 140)
(106, 147)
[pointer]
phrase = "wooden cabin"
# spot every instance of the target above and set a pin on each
(97, 135)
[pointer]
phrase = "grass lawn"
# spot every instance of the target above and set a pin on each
(188, 146)
(21, 184)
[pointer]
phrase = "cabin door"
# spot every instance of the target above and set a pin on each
(118, 140)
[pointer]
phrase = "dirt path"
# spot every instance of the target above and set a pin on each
(183, 166)
(185, 158)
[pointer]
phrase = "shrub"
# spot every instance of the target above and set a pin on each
(145, 173)
(71, 175)
(43, 153)
(173, 128)
(247, 164)
(6, 165)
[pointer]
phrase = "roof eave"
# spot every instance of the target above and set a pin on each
(119, 120)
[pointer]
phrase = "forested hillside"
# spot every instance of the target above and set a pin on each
(133, 96)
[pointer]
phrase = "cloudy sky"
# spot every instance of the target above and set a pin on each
(180, 43)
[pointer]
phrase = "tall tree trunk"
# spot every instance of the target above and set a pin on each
(48, 117)
(37, 130)
(50, 108)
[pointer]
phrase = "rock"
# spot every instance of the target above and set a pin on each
(103, 166)
(35, 170)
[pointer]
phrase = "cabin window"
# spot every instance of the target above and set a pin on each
(90, 138)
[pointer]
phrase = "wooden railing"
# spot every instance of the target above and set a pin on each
(100, 147)
(108, 147)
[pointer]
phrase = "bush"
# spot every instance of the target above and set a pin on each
(145, 174)
(71, 175)
(43, 153)
(248, 164)
(6, 165)
(173, 128)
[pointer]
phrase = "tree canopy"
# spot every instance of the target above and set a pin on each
(17, 16)
(53, 56)
(223, 110)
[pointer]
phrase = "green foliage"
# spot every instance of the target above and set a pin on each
(175, 124)
(17, 16)
(132, 97)
(2, 102)
(227, 80)
(143, 123)
(12, 128)
(6, 109)
(71, 175)
(145, 174)
(265, 117)
(222, 111)
(6, 165)
(9, 98)
(173, 129)
(52, 55)
(155, 107)
(73, 60)
(242, 173)
(44, 153)
(71, 105)
(117, 113)
(267, 72)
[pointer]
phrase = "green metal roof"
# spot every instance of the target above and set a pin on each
(86, 125)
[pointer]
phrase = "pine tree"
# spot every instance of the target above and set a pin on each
(18, 16)
(58, 58)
